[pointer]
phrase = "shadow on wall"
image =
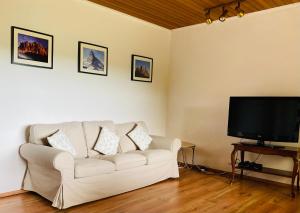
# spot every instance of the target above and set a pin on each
(26, 130)
(199, 156)
(206, 126)
(27, 133)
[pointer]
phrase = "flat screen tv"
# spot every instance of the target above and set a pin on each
(264, 118)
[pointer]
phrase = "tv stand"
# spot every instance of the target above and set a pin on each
(260, 143)
(291, 152)
(264, 145)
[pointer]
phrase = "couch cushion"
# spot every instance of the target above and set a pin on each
(126, 143)
(155, 155)
(92, 166)
(140, 137)
(73, 130)
(126, 160)
(92, 130)
(107, 143)
(59, 140)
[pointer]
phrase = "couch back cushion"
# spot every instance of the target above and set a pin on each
(126, 143)
(92, 130)
(73, 130)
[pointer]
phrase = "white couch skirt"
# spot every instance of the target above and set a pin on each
(64, 193)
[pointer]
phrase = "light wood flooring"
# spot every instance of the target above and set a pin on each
(193, 192)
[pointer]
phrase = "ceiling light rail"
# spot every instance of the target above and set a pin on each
(239, 11)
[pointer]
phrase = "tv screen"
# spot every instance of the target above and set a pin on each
(264, 118)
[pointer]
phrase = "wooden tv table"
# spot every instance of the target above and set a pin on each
(291, 152)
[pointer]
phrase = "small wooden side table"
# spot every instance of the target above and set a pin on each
(187, 145)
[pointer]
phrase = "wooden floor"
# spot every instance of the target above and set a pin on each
(193, 192)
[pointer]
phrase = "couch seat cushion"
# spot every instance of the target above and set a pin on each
(126, 160)
(92, 166)
(155, 155)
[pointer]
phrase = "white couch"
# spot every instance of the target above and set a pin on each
(67, 180)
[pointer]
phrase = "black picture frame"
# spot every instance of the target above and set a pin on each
(100, 48)
(16, 59)
(149, 60)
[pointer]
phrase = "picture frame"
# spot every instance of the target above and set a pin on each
(31, 48)
(92, 59)
(141, 68)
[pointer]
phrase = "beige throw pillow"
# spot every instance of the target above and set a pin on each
(107, 143)
(60, 141)
(140, 137)
(126, 144)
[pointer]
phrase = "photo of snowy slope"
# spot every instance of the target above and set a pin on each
(92, 59)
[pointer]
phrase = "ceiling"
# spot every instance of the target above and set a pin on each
(173, 14)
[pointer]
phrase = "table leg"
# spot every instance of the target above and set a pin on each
(242, 160)
(233, 164)
(178, 163)
(193, 157)
(298, 179)
(181, 155)
(295, 171)
(184, 158)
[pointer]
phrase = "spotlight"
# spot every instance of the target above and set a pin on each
(240, 12)
(225, 7)
(208, 18)
(222, 17)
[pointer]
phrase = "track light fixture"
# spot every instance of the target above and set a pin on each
(222, 17)
(240, 13)
(208, 18)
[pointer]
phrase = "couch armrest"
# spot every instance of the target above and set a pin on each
(172, 144)
(46, 156)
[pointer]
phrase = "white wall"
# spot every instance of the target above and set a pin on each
(34, 95)
(256, 55)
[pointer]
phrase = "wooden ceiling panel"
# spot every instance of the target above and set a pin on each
(173, 14)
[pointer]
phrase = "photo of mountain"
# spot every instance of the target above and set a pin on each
(93, 59)
(142, 69)
(32, 48)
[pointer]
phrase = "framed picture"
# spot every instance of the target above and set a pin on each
(141, 68)
(31, 48)
(92, 59)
